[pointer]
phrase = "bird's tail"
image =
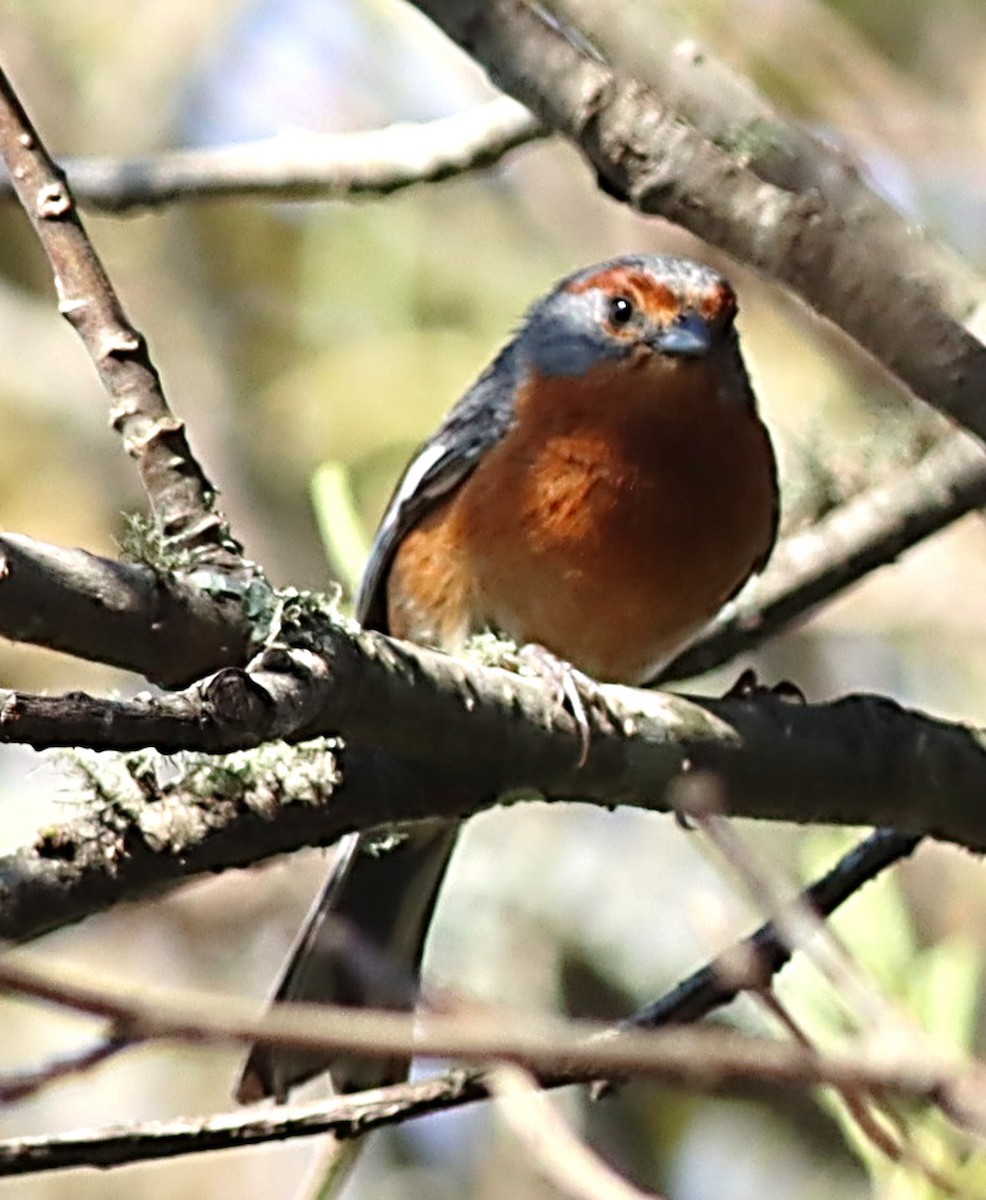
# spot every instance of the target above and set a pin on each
(360, 946)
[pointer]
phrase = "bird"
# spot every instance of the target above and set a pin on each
(599, 493)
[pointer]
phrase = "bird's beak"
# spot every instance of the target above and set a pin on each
(687, 337)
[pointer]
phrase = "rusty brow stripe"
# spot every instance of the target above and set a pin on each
(653, 297)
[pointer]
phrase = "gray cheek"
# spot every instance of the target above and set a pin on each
(564, 337)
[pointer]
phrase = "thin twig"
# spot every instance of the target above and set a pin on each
(796, 921)
(709, 988)
(565, 1160)
(308, 166)
(753, 962)
(709, 1060)
(707, 1057)
(868, 1110)
(16, 1086)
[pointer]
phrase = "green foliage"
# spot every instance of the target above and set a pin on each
(936, 986)
(339, 523)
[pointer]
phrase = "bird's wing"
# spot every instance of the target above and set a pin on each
(477, 422)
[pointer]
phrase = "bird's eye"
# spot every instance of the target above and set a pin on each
(620, 311)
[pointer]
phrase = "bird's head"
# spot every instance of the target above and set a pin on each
(640, 309)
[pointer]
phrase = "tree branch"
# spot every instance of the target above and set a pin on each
(557, 1046)
(183, 500)
(859, 760)
(866, 532)
(856, 262)
(766, 951)
(726, 1059)
(566, 1162)
(448, 739)
(761, 955)
(166, 628)
(308, 166)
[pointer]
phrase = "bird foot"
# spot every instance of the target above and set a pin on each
(571, 688)
(748, 685)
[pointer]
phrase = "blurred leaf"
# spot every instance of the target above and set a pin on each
(339, 524)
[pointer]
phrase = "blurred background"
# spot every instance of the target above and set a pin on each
(293, 335)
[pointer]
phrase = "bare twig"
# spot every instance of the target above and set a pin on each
(20, 1085)
(151, 1141)
(870, 1112)
(344, 1115)
(644, 40)
(706, 1058)
(707, 989)
(183, 500)
(802, 927)
(306, 166)
(564, 1159)
(756, 960)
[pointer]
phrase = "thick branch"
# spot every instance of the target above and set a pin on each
(308, 166)
(449, 739)
(163, 627)
(182, 498)
(859, 760)
(134, 845)
(856, 262)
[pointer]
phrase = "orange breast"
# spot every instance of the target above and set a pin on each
(609, 524)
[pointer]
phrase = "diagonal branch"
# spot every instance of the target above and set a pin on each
(183, 500)
(866, 532)
(763, 954)
(766, 951)
(856, 262)
(557, 1153)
